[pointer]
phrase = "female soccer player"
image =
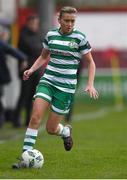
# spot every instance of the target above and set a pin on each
(66, 46)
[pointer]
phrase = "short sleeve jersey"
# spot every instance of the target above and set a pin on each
(65, 54)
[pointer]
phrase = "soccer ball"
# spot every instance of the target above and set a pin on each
(32, 159)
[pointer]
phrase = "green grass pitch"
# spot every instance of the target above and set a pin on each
(99, 152)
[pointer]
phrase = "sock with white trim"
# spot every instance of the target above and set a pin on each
(30, 138)
(64, 131)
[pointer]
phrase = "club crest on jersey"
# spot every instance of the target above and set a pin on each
(73, 44)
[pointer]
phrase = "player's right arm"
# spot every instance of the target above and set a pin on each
(38, 63)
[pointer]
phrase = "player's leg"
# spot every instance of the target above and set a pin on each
(39, 108)
(54, 127)
(60, 106)
(41, 103)
(43, 97)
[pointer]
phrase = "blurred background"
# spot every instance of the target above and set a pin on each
(105, 24)
(99, 126)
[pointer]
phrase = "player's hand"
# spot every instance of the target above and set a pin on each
(27, 74)
(92, 92)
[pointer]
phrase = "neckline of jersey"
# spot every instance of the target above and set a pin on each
(65, 34)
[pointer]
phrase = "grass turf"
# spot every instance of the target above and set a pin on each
(99, 151)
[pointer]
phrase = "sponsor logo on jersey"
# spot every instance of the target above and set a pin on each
(72, 44)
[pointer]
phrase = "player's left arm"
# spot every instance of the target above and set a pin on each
(91, 74)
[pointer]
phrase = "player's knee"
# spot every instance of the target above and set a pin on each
(51, 130)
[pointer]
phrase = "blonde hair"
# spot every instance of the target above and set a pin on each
(67, 9)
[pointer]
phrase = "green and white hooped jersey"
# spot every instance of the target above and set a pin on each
(65, 54)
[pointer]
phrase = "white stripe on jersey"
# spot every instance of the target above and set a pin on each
(60, 79)
(53, 33)
(45, 46)
(85, 51)
(61, 61)
(62, 71)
